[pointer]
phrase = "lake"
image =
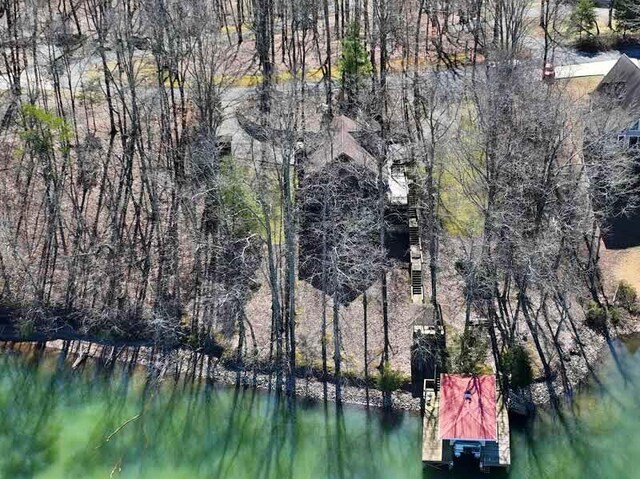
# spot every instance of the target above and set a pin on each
(58, 423)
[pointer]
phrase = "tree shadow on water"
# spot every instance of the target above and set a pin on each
(27, 432)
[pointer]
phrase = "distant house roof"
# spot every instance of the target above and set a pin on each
(264, 134)
(253, 129)
(622, 84)
(340, 143)
(468, 407)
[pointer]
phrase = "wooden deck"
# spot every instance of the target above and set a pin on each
(498, 454)
(504, 433)
(431, 442)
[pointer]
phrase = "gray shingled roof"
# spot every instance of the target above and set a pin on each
(265, 134)
(622, 84)
(344, 138)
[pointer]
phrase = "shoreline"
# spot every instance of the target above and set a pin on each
(180, 362)
(580, 364)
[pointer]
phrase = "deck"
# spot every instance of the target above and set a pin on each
(498, 454)
(431, 442)
(504, 434)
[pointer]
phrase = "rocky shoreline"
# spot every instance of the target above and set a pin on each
(581, 363)
(578, 364)
(179, 362)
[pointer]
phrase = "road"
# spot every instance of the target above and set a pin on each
(599, 68)
(568, 61)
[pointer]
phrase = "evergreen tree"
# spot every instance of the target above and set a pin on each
(355, 67)
(583, 17)
(627, 15)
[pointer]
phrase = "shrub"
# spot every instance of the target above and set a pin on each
(601, 43)
(516, 364)
(472, 352)
(626, 296)
(26, 327)
(353, 377)
(596, 317)
(30, 321)
(615, 316)
(390, 380)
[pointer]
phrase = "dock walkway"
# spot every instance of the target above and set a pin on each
(504, 433)
(431, 442)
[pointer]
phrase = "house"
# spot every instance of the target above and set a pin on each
(465, 418)
(339, 144)
(342, 139)
(621, 88)
(346, 140)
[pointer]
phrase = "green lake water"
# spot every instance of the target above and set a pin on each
(55, 423)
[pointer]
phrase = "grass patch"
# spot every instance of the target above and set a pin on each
(581, 87)
(461, 215)
(243, 195)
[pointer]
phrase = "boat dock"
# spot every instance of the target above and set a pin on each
(441, 443)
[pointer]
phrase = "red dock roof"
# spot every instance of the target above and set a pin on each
(468, 407)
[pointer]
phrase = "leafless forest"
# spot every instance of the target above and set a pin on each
(132, 209)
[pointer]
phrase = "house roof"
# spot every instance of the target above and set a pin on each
(265, 133)
(468, 407)
(341, 143)
(622, 84)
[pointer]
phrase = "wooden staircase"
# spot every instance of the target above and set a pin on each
(417, 287)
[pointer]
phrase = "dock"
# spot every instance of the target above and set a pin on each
(431, 442)
(450, 430)
(504, 433)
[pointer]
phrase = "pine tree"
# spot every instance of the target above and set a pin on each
(583, 17)
(355, 67)
(627, 15)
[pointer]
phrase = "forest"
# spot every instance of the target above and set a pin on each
(183, 173)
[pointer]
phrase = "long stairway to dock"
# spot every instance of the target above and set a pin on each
(415, 247)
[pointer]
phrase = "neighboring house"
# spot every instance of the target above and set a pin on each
(621, 87)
